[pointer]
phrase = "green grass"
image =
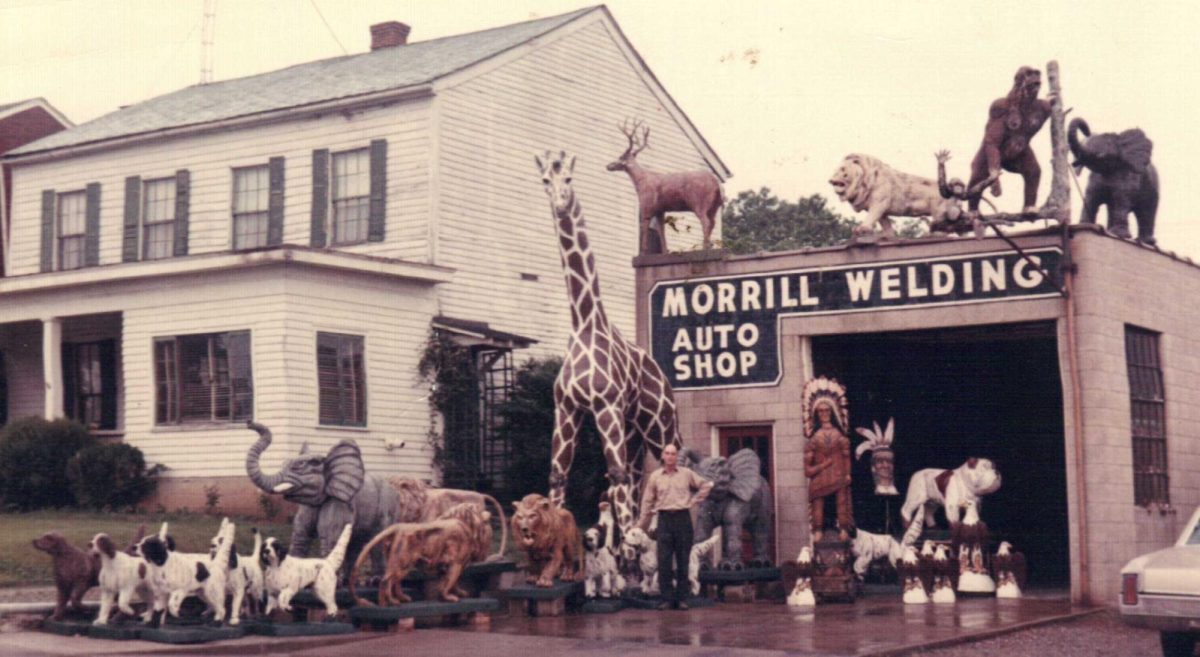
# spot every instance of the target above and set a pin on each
(21, 564)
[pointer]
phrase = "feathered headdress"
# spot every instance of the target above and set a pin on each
(875, 439)
(825, 391)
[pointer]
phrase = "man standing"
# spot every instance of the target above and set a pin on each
(670, 492)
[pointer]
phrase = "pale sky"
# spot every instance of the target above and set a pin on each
(781, 90)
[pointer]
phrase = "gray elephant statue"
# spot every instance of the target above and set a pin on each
(332, 489)
(1122, 178)
(740, 497)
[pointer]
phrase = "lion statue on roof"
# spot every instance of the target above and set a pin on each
(866, 183)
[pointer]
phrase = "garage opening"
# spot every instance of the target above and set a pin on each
(988, 391)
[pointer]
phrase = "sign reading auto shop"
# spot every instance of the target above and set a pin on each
(724, 331)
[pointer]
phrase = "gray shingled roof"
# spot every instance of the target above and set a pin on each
(7, 106)
(304, 84)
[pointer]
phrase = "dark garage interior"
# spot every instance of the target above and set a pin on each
(989, 391)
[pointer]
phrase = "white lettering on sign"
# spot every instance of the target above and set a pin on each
(725, 294)
(785, 293)
(702, 299)
(1026, 276)
(915, 290)
(859, 283)
(682, 341)
(943, 279)
(807, 299)
(747, 335)
(723, 331)
(750, 291)
(710, 350)
(674, 303)
(889, 283)
(993, 275)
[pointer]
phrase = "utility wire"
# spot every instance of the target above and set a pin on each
(331, 33)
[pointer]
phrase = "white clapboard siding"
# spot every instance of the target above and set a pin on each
(493, 219)
(283, 308)
(21, 343)
(210, 158)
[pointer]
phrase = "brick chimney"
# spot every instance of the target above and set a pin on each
(389, 35)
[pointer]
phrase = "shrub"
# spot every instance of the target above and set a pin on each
(527, 420)
(268, 506)
(212, 499)
(111, 476)
(33, 461)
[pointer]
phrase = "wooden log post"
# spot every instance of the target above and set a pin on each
(1058, 203)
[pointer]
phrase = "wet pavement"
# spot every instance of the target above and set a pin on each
(875, 625)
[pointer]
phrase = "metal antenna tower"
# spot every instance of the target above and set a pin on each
(206, 40)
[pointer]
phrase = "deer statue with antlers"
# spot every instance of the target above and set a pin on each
(698, 192)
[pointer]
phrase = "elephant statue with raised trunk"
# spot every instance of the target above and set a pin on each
(332, 489)
(1122, 178)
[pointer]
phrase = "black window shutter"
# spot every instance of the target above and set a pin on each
(183, 201)
(49, 203)
(91, 238)
(133, 211)
(377, 220)
(108, 383)
(70, 370)
(275, 203)
(320, 196)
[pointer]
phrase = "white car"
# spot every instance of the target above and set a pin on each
(1161, 591)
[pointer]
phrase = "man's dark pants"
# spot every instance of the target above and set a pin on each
(674, 540)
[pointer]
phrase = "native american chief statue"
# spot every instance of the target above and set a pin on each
(827, 454)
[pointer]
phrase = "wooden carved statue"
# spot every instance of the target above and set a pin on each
(827, 454)
(698, 192)
(603, 373)
(883, 459)
(1012, 123)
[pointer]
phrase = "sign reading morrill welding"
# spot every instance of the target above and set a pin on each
(724, 331)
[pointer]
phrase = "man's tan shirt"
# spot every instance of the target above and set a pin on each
(672, 491)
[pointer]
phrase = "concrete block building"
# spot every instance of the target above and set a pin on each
(1088, 402)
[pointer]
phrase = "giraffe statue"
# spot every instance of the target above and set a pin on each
(603, 373)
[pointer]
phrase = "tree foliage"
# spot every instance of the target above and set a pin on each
(453, 376)
(527, 421)
(761, 221)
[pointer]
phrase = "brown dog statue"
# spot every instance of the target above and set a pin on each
(75, 570)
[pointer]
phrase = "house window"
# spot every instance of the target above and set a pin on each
(203, 378)
(72, 229)
(1148, 409)
(351, 196)
(158, 219)
(89, 383)
(251, 194)
(342, 380)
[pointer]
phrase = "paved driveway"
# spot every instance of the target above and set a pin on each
(876, 625)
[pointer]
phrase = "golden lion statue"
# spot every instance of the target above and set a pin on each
(868, 184)
(445, 546)
(420, 502)
(550, 540)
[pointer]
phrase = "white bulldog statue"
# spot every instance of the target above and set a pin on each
(950, 489)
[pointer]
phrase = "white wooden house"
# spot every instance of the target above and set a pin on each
(280, 246)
